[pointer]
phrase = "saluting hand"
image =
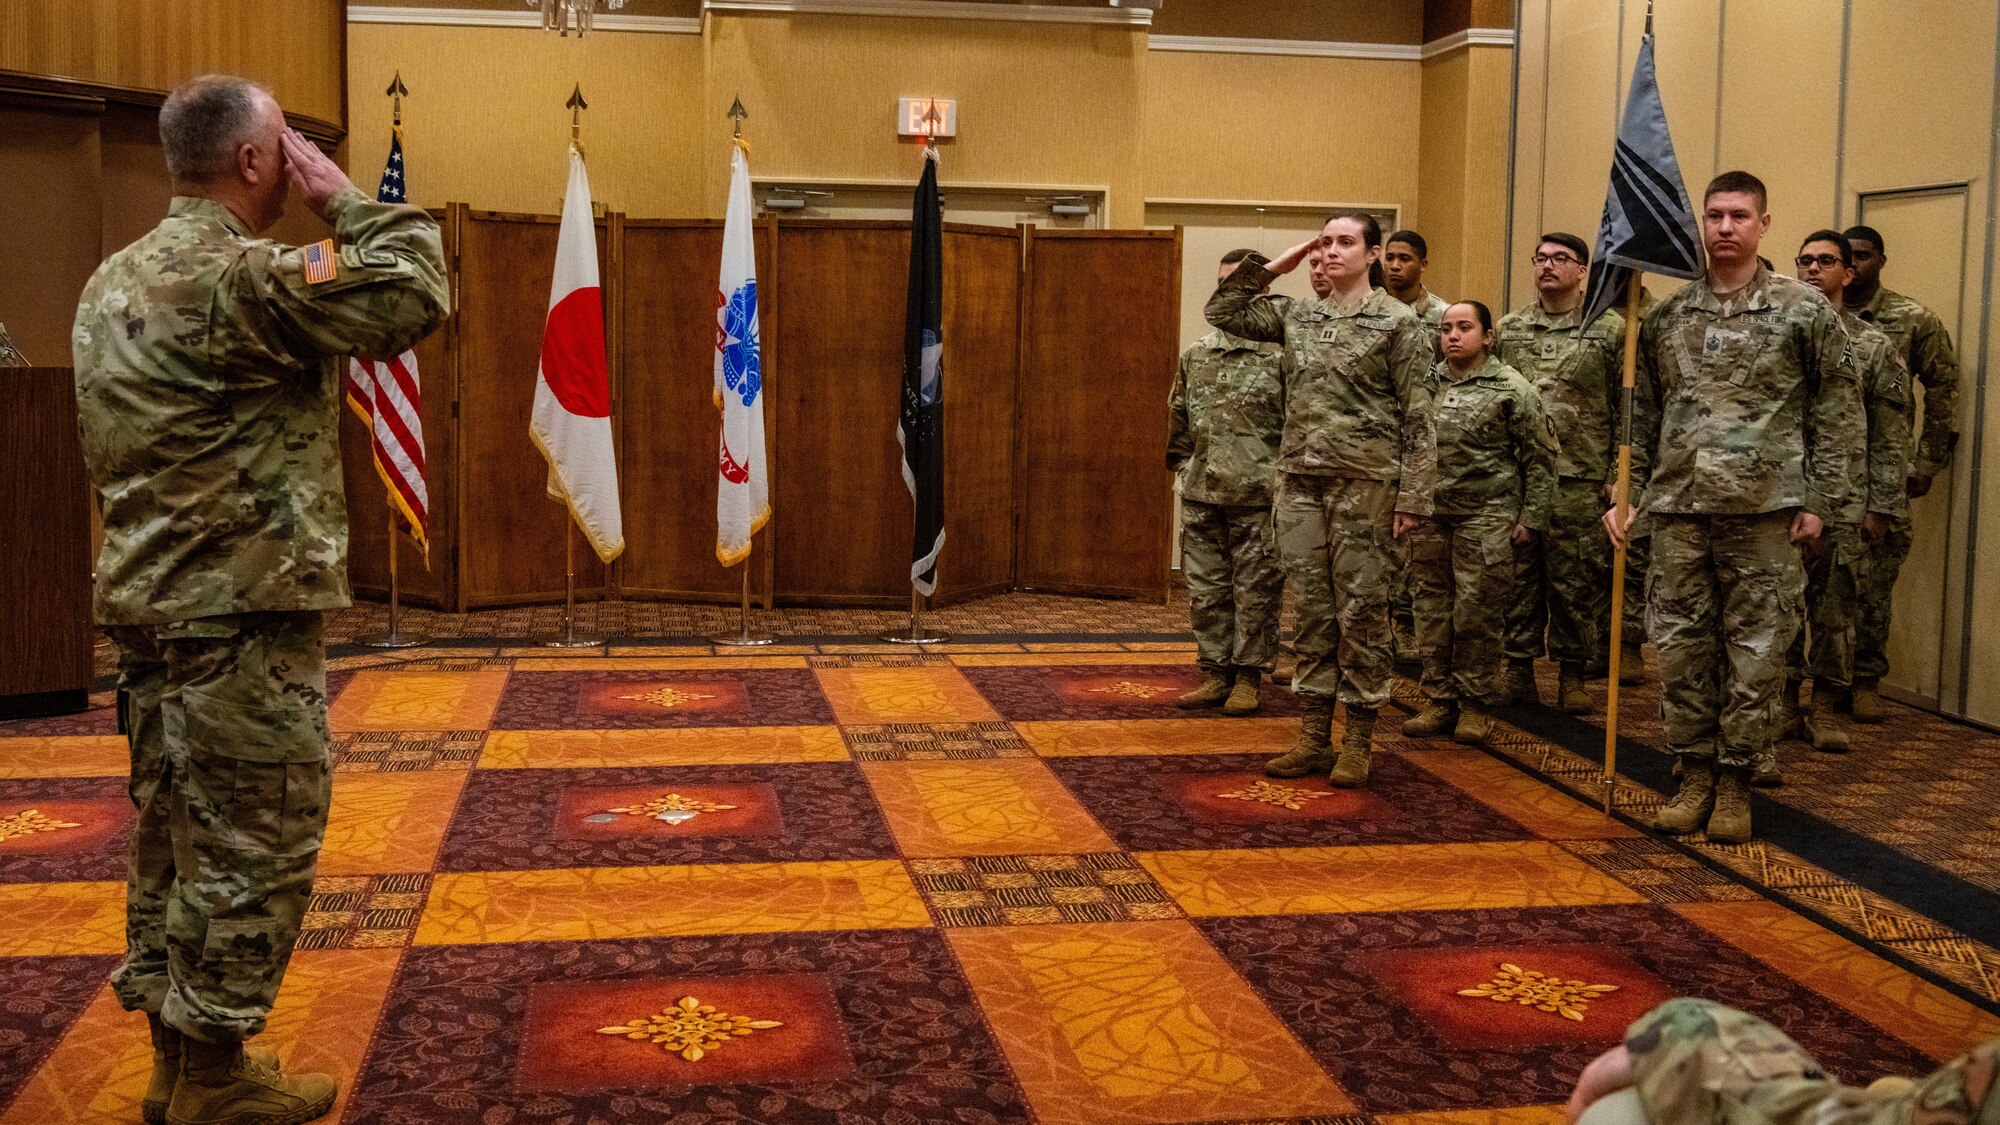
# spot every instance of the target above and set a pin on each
(1290, 259)
(316, 176)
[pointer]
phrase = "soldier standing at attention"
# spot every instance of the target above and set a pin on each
(1355, 473)
(1875, 501)
(1745, 429)
(1496, 462)
(209, 414)
(1405, 259)
(1225, 415)
(1565, 573)
(1925, 348)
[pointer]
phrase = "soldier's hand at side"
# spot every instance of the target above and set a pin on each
(1290, 259)
(1404, 524)
(1522, 533)
(1615, 528)
(1608, 1073)
(316, 176)
(1918, 486)
(1805, 529)
(1874, 528)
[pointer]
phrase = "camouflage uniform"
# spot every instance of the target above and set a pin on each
(1226, 412)
(1833, 577)
(1925, 347)
(1496, 458)
(10, 356)
(1565, 573)
(1747, 410)
(1355, 451)
(1695, 1062)
(1402, 604)
(209, 414)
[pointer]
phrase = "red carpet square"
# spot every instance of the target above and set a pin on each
(1576, 993)
(512, 820)
(63, 830)
(1049, 692)
(758, 697)
(712, 1027)
(45, 996)
(1180, 802)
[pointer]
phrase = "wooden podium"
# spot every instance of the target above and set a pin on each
(46, 631)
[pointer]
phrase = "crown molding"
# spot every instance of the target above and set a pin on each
(526, 17)
(1470, 37)
(1314, 48)
(942, 9)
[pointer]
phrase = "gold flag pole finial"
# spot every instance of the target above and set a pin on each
(736, 115)
(1649, 17)
(395, 92)
(576, 106)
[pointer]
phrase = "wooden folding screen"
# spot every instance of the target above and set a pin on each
(1100, 324)
(982, 342)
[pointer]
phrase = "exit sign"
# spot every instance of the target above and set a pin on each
(926, 117)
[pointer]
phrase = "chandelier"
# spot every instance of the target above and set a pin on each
(561, 15)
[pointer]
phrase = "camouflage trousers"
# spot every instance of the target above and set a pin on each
(1883, 563)
(1725, 592)
(1335, 537)
(1833, 590)
(1638, 564)
(1695, 1062)
(227, 726)
(1229, 556)
(1565, 582)
(1461, 574)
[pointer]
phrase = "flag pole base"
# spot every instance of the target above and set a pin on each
(574, 640)
(917, 636)
(744, 638)
(391, 640)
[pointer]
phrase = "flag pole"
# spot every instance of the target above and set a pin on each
(743, 636)
(917, 634)
(570, 637)
(394, 638)
(1622, 506)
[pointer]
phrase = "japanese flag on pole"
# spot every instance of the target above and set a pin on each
(571, 423)
(742, 492)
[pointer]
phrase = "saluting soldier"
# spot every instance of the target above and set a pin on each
(1496, 460)
(1745, 429)
(1225, 415)
(1925, 347)
(1355, 473)
(1565, 591)
(209, 413)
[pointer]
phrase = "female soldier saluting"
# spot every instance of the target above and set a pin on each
(1354, 472)
(1496, 461)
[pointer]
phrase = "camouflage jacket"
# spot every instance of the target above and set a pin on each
(1354, 382)
(1746, 406)
(1695, 1062)
(1926, 350)
(208, 403)
(10, 356)
(1580, 373)
(1885, 398)
(1430, 311)
(1496, 454)
(1225, 416)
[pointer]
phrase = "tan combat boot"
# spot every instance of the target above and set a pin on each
(1631, 665)
(1791, 721)
(1313, 751)
(1690, 807)
(1357, 743)
(1822, 729)
(1866, 705)
(166, 1070)
(1730, 822)
(1437, 717)
(1473, 726)
(222, 1084)
(1572, 691)
(1213, 689)
(1520, 688)
(1243, 696)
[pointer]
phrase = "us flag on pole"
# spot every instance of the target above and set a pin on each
(387, 396)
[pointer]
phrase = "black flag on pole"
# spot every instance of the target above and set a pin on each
(1648, 224)
(921, 431)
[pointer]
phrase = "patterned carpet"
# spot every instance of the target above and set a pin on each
(840, 882)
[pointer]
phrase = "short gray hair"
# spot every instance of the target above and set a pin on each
(204, 121)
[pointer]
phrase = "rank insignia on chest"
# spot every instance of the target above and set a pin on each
(1328, 335)
(319, 262)
(1549, 348)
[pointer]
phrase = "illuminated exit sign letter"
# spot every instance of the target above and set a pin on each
(926, 117)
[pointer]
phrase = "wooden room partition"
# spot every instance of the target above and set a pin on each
(1059, 349)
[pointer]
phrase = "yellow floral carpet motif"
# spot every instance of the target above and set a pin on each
(1135, 690)
(672, 808)
(1544, 993)
(690, 1029)
(1271, 793)
(668, 697)
(28, 822)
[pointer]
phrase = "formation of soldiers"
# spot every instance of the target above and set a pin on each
(1379, 448)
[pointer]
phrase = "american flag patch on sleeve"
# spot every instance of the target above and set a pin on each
(319, 262)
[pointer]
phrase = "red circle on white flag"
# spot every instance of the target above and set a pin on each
(573, 354)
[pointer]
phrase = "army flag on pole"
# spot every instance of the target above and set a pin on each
(742, 491)
(921, 432)
(571, 421)
(1648, 224)
(389, 399)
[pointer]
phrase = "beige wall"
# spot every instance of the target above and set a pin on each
(1757, 85)
(1462, 171)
